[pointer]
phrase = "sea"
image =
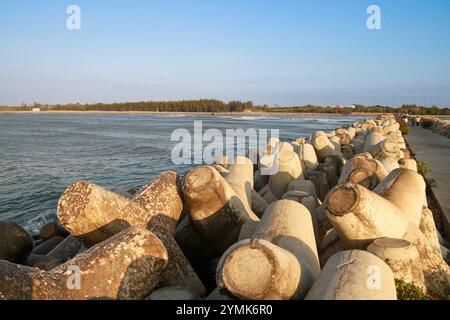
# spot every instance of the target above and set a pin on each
(41, 154)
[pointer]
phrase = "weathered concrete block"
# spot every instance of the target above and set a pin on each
(48, 245)
(347, 276)
(127, 266)
(323, 146)
(320, 181)
(259, 270)
(15, 243)
(196, 248)
(288, 170)
(288, 226)
(403, 259)
(360, 216)
(93, 214)
(407, 191)
(216, 211)
(53, 229)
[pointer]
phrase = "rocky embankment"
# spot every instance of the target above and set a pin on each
(344, 217)
(437, 125)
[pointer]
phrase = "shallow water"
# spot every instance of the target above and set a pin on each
(41, 154)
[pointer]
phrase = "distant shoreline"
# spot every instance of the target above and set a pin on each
(210, 113)
(199, 113)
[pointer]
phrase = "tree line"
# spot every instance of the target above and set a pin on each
(202, 105)
(218, 106)
(404, 109)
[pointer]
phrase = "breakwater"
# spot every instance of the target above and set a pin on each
(440, 126)
(343, 217)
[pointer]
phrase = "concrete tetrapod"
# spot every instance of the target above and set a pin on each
(297, 149)
(93, 214)
(357, 145)
(309, 202)
(323, 146)
(15, 243)
(259, 270)
(307, 155)
(330, 173)
(360, 216)
(405, 189)
(435, 270)
(288, 169)
(403, 259)
(389, 164)
(428, 228)
(267, 195)
(259, 181)
(352, 132)
(283, 242)
(42, 262)
(63, 252)
(336, 141)
(354, 275)
(52, 229)
(320, 181)
(347, 151)
(196, 248)
(344, 135)
(324, 223)
(66, 250)
(127, 266)
(410, 164)
(240, 179)
(373, 142)
(178, 271)
(304, 186)
(388, 148)
(363, 170)
(328, 246)
(47, 245)
(162, 199)
(247, 230)
(259, 205)
(215, 210)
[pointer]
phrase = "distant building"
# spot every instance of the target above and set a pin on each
(340, 106)
(36, 110)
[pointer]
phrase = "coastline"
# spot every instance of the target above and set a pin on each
(198, 113)
(289, 206)
(354, 114)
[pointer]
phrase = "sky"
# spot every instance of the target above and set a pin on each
(286, 52)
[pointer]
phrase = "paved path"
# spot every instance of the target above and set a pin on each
(435, 149)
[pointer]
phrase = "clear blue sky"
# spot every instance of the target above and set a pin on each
(285, 52)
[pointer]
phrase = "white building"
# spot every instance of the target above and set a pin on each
(340, 106)
(36, 110)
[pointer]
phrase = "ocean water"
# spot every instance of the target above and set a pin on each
(42, 153)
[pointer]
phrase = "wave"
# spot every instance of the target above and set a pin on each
(175, 115)
(328, 120)
(33, 225)
(250, 118)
